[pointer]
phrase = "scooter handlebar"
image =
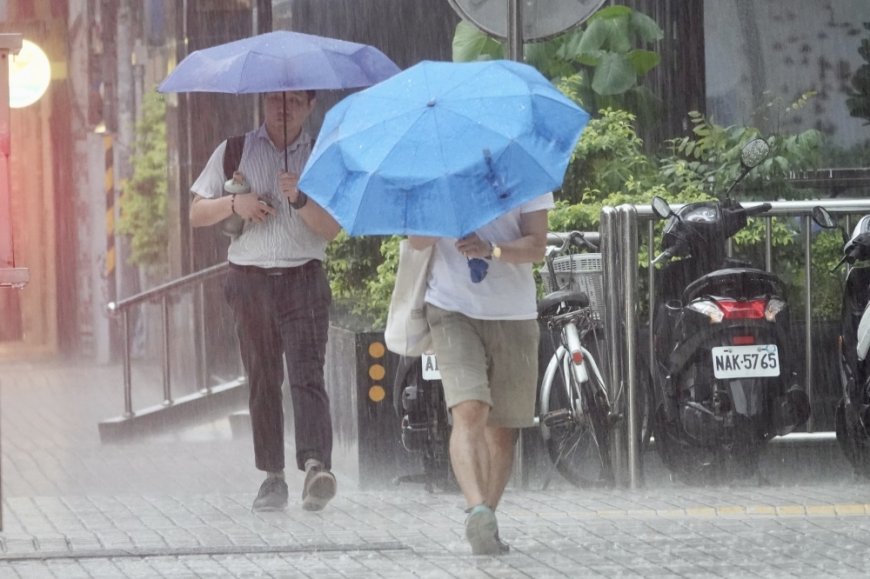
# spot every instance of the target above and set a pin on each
(761, 208)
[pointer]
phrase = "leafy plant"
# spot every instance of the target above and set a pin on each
(143, 205)
(859, 98)
(602, 56)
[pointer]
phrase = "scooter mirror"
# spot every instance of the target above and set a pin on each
(823, 218)
(661, 208)
(754, 152)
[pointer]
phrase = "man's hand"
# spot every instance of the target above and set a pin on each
(251, 208)
(288, 183)
(473, 246)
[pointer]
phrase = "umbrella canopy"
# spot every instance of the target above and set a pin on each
(279, 61)
(442, 148)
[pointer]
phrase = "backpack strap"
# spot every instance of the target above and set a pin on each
(233, 155)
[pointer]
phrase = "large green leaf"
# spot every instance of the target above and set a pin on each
(611, 12)
(614, 75)
(645, 27)
(470, 44)
(643, 60)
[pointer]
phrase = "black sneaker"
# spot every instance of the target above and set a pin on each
(272, 495)
(319, 488)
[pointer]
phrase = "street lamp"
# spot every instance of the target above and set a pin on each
(29, 75)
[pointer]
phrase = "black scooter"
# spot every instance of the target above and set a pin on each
(723, 379)
(419, 402)
(852, 416)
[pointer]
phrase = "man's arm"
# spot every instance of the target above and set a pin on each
(421, 242)
(204, 212)
(529, 248)
(314, 216)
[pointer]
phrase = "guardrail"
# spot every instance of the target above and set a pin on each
(619, 246)
(162, 294)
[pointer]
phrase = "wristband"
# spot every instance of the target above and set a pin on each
(300, 202)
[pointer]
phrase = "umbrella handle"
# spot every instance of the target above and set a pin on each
(284, 124)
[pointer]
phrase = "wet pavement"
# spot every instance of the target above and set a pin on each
(177, 504)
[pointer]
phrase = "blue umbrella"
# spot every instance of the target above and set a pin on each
(279, 61)
(442, 148)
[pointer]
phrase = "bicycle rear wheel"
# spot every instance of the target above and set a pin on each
(577, 435)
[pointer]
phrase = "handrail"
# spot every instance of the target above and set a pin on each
(162, 294)
(165, 289)
(619, 233)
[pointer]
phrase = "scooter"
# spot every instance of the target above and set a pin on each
(723, 379)
(425, 423)
(852, 415)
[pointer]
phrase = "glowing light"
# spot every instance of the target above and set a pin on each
(29, 75)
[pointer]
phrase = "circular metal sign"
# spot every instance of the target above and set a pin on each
(541, 19)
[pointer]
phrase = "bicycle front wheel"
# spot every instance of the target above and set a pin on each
(574, 424)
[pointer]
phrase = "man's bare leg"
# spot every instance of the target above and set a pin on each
(500, 442)
(469, 451)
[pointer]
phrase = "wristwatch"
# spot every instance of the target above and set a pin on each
(300, 202)
(496, 251)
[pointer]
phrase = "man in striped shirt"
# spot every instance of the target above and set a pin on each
(277, 289)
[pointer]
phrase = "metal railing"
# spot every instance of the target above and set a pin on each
(619, 246)
(162, 294)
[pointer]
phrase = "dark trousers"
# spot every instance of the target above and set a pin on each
(277, 316)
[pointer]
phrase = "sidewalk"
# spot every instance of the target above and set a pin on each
(178, 505)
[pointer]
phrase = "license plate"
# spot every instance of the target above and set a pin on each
(430, 367)
(746, 361)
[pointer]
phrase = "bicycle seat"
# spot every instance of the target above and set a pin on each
(551, 303)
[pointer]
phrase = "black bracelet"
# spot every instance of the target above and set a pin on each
(300, 202)
(233, 203)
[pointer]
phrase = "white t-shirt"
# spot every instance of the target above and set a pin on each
(282, 240)
(508, 290)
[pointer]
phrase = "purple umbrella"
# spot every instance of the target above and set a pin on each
(279, 61)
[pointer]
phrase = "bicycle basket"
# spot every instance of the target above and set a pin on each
(580, 271)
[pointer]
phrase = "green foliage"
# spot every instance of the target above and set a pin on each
(859, 97)
(351, 264)
(143, 205)
(605, 57)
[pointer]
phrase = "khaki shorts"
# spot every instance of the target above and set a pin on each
(493, 361)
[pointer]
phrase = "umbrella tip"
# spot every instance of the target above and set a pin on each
(431, 103)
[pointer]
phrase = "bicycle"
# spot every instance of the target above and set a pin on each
(576, 414)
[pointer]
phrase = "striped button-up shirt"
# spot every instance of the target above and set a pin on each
(283, 239)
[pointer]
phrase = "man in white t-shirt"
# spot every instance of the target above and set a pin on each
(482, 310)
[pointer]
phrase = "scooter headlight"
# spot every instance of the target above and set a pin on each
(774, 306)
(709, 309)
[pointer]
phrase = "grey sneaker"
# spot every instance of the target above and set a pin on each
(481, 530)
(272, 495)
(319, 488)
(503, 548)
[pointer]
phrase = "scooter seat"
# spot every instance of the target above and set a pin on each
(550, 303)
(737, 283)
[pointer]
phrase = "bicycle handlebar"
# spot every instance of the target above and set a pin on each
(582, 239)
